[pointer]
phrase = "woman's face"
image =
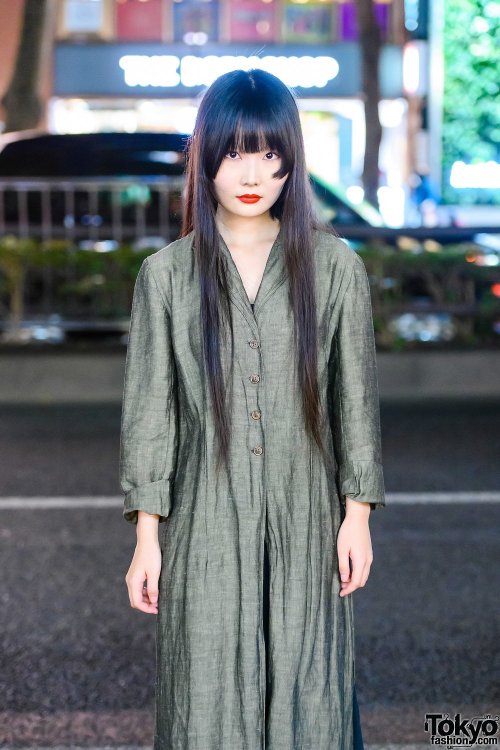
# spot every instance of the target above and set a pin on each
(242, 174)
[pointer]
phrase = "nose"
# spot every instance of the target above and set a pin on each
(250, 174)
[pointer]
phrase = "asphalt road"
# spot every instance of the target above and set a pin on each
(77, 663)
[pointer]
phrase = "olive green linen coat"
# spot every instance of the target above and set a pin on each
(211, 655)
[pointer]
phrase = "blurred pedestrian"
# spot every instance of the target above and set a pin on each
(424, 197)
(250, 430)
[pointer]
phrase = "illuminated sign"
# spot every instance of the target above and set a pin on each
(169, 70)
(416, 18)
(176, 70)
(482, 175)
(411, 14)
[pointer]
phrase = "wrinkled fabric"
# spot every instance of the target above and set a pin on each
(221, 684)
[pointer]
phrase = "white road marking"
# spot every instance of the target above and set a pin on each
(46, 503)
(387, 746)
(116, 501)
(408, 498)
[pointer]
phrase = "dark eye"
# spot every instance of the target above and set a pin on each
(229, 153)
(272, 153)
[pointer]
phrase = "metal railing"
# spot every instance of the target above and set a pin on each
(75, 209)
(128, 209)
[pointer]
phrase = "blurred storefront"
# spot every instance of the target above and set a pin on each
(141, 65)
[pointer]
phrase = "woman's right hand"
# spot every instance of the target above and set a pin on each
(145, 566)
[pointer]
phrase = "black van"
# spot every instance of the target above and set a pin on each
(121, 186)
(94, 155)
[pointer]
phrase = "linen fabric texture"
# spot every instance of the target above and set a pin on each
(219, 686)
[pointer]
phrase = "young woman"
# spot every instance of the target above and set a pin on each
(250, 430)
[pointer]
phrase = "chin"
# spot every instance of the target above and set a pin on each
(245, 208)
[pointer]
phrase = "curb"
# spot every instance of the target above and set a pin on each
(56, 377)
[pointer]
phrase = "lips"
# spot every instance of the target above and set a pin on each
(249, 198)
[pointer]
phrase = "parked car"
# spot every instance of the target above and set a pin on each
(90, 187)
(336, 207)
(79, 155)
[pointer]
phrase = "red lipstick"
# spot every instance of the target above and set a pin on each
(249, 198)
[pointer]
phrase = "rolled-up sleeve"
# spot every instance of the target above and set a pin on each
(353, 395)
(148, 434)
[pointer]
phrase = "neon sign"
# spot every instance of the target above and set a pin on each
(412, 13)
(482, 175)
(167, 71)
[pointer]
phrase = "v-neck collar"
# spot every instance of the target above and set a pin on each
(272, 277)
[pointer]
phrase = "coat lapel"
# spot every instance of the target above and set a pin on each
(274, 275)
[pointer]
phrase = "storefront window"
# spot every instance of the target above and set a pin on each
(347, 19)
(252, 20)
(195, 21)
(84, 19)
(307, 21)
(139, 20)
(77, 115)
(83, 16)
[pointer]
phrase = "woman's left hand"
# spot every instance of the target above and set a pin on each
(354, 543)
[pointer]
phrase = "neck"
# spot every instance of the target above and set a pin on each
(246, 231)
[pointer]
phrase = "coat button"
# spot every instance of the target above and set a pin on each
(258, 450)
(253, 343)
(255, 414)
(254, 378)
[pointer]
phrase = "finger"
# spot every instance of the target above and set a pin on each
(358, 579)
(358, 568)
(137, 592)
(152, 589)
(147, 606)
(344, 569)
(140, 600)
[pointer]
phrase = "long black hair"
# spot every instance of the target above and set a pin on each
(252, 111)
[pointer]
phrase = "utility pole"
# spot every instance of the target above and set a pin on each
(21, 101)
(371, 44)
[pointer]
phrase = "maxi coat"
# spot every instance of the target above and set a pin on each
(219, 686)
